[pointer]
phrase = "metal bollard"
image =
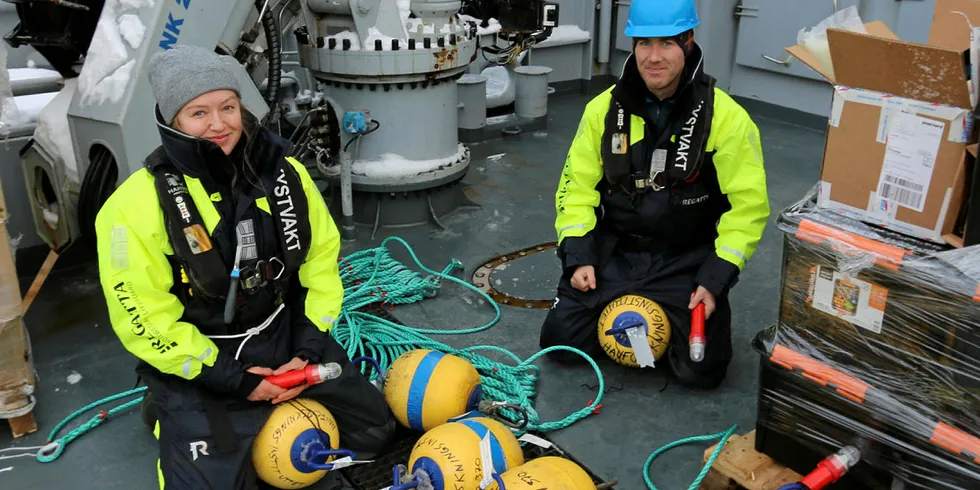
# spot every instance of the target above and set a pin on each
(531, 101)
(471, 89)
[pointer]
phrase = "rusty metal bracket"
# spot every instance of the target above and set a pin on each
(481, 278)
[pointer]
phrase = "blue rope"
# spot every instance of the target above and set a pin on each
(724, 435)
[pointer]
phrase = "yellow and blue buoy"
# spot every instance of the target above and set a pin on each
(296, 444)
(546, 472)
(628, 311)
(426, 388)
(450, 453)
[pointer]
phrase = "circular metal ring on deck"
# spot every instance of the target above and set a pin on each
(481, 278)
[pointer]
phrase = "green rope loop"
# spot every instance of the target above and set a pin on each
(724, 436)
(60, 443)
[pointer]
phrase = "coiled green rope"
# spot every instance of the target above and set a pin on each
(372, 275)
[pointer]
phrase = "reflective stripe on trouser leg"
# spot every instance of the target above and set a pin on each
(156, 434)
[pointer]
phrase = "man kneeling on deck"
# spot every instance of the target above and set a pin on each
(663, 195)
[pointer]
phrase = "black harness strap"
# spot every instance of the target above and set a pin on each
(685, 152)
(192, 243)
(616, 144)
(292, 216)
(188, 235)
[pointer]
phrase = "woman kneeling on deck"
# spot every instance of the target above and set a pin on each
(221, 196)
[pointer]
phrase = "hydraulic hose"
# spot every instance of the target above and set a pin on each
(96, 187)
(274, 52)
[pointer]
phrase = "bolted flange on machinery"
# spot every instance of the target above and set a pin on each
(398, 73)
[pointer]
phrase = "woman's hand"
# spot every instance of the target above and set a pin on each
(293, 365)
(265, 390)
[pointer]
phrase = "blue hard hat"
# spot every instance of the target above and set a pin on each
(661, 18)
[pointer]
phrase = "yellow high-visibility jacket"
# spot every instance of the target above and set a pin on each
(151, 303)
(732, 162)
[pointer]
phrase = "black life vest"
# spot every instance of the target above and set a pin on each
(678, 208)
(191, 242)
(682, 157)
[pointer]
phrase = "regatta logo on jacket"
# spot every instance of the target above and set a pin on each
(287, 212)
(694, 200)
(685, 140)
(127, 299)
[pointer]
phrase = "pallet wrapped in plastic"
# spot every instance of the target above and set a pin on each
(878, 343)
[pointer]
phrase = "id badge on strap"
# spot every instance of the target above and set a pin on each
(658, 164)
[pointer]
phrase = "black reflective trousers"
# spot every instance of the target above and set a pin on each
(189, 456)
(664, 277)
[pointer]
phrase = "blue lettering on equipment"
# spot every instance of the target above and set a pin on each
(171, 30)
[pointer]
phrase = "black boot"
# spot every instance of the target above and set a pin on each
(148, 411)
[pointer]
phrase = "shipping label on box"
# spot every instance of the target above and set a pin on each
(910, 156)
(851, 299)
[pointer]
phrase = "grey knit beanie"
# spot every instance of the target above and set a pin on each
(183, 73)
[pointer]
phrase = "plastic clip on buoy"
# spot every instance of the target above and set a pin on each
(495, 410)
(697, 339)
(828, 471)
(421, 479)
(311, 375)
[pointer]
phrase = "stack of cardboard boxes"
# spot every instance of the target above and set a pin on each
(877, 344)
(16, 366)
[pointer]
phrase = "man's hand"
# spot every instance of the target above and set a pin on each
(702, 295)
(584, 278)
(265, 390)
(293, 365)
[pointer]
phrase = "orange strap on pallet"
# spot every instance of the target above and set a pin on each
(955, 440)
(820, 373)
(888, 256)
(943, 435)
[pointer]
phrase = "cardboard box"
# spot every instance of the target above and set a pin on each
(899, 124)
(949, 28)
(16, 371)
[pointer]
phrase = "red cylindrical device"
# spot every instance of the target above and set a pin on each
(697, 339)
(832, 468)
(311, 375)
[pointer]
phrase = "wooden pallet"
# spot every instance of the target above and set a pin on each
(740, 467)
(23, 425)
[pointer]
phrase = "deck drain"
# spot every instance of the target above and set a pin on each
(481, 278)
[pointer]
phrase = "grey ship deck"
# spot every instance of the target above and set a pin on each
(70, 332)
